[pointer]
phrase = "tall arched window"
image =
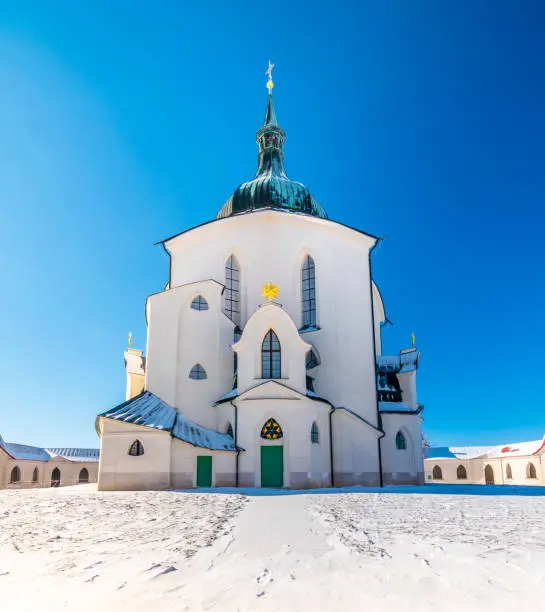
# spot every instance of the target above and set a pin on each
(136, 449)
(197, 372)
(271, 356)
(531, 471)
(83, 475)
(231, 295)
(437, 473)
(199, 303)
(461, 473)
(308, 292)
(314, 434)
(35, 475)
(508, 472)
(15, 475)
(401, 442)
(55, 477)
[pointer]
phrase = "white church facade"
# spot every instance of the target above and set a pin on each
(262, 368)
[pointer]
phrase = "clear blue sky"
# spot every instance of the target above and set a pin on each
(123, 122)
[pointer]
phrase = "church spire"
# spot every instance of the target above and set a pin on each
(271, 187)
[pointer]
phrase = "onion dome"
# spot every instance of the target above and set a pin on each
(271, 187)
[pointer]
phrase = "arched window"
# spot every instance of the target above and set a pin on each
(199, 303)
(508, 472)
(437, 473)
(489, 475)
(136, 449)
(271, 430)
(229, 430)
(35, 475)
(314, 434)
(461, 473)
(270, 356)
(312, 360)
(231, 294)
(401, 442)
(55, 477)
(83, 475)
(308, 292)
(531, 471)
(15, 475)
(197, 372)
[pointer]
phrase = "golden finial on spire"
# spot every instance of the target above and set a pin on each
(270, 291)
(270, 83)
(412, 338)
(130, 339)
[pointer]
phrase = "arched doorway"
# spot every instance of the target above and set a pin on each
(84, 476)
(489, 475)
(272, 456)
(55, 477)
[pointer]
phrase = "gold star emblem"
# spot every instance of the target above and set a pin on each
(270, 291)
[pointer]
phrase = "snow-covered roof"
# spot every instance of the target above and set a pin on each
(455, 452)
(398, 407)
(75, 454)
(404, 362)
(518, 449)
(225, 398)
(25, 452)
(149, 410)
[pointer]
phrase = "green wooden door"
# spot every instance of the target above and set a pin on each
(204, 471)
(272, 466)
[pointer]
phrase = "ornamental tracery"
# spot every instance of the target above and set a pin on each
(271, 430)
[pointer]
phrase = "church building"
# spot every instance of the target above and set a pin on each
(265, 369)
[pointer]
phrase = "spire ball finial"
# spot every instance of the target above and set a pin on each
(270, 83)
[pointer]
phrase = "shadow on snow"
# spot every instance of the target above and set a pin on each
(431, 489)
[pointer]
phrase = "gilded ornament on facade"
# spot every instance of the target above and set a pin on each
(270, 291)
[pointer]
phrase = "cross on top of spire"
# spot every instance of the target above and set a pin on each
(270, 83)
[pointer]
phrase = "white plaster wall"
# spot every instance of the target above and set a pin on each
(119, 470)
(179, 337)
(305, 464)
(402, 465)
(355, 449)
(407, 382)
(380, 317)
(293, 349)
(184, 465)
(272, 245)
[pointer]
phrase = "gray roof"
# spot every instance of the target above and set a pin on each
(76, 454)
(149, 410)
(25, 452)
(398, 408)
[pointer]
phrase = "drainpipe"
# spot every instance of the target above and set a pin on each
(379, 418)
(236, 438)
(331, 466)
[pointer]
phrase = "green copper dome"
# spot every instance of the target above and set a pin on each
(271, 188)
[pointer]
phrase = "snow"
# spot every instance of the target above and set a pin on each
(447, 548)
(395, 407)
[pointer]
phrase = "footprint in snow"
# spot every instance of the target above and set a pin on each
(265, 577)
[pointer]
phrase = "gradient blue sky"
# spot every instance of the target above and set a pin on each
(423, 122)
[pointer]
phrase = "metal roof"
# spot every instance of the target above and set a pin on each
(149, 410)
(25, 452)
(271, 186)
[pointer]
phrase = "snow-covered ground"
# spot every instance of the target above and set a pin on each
(438, 548)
